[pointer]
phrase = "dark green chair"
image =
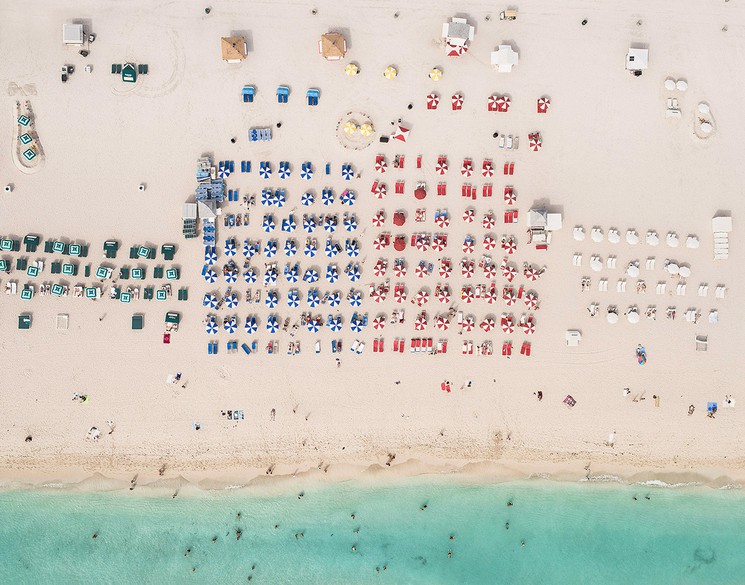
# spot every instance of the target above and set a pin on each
(158, 272)
(137, 321)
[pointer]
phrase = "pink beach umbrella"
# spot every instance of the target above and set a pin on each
(399, 294)
(422, 243)
(443, 220)
(445, 268)
(442, 322)
(509, 296)
(457, 101)
(507, 323)
(439, 242)
(503, 103)
(441, 167)
(421, 298)
(466, 268)
(535, 142)
(420, 323)
(490, 270)
(421, 270)
(492, 103)
(468, 246)
(381, 165)
(509, 196)
(531, 300)
(487, 324)
(543, 105)
(443, 294)
(378, 219)
(529, 326)
(509, 245)
(487, 169)
(466, 168)
(466, 294)
(399, 269)
(455, 50)
(381, 267)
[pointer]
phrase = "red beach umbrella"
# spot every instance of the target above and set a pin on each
(399, 244)
(401, 134)
(399, 218)
(466, 294)
(468, 246)
(379, 322)
(469, 323)
(399, 269)
(469, 215)
(457, 101)
(378, 219)
(433, 100)
(489, 221)
(489, 242)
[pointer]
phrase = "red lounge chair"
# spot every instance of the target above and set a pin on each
(541, 247)
(380, 345)
(444, 346)
(429, 345)
(486, 190)
(419, 162)
(374, 187)
(401, 346)
(442, 189)
(166, 338)
(401, 160)
(512, 168)
(465, 191)
(525, 349)
(399, 187)
(395, 344)
(474, 191)
(375, 346)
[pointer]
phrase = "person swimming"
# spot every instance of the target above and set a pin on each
(238, 534)
(506, 525)
(450, 553)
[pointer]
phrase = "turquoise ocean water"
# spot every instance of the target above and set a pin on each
(573, 534)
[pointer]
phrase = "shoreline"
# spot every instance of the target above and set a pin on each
(190, 482)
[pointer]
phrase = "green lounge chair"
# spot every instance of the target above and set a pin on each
(110, 248)
(168, 251)
(183, 294)
(56, 267)
(21, 264)
(32, 242)
(48, 249)
(158, 272)
(147, 294)
(24, 321)
(84, 251)
(87, 270)
(113, 68)
(124, 273)
(137, 321)
(133, 253)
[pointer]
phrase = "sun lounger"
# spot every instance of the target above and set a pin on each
(680, 290)
(312, 96)
(713, 316)
(525, 349)
(702, 343)
(720, 292)
(661, 288)
(650, 264)
(611, 262)
(621, 286)
(248, 93)
(283, 94)
(703, 290)
(137, 321)
(577, 260)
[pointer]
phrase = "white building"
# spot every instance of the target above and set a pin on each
(72, 34)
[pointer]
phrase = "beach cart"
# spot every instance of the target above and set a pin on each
(510, 14)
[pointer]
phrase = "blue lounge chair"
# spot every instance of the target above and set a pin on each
(248, 93)
(266, 133)
(313, 95)
(283, 94)
(245, 348)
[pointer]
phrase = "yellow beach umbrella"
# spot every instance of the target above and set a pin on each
(366, 129)
(351, 70)
(350, 128)
(390, 72)
(435, 74)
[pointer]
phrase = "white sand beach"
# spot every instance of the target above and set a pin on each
(610, 159)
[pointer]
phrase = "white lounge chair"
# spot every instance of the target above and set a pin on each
(690, 315)
(713, 316)
(650, 264)
(720, 292)
(661, 288)
(692, 242)
(611, 262)
(596, 234)
(577, 260)
(703, 290)
(596, 263)
(613, 236)
(680, 290)
(579, 233)
(672, 240)
(621, 286)
(652, 238)
(632, 237)
(702, 343)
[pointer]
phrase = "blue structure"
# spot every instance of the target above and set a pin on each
(283, 94)
(313, 95)
(248, 93)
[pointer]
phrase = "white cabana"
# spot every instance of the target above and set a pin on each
(207, 209)
(72, 34)
(637, 59)
(188, 211)
(573, 337)
(504, 58)
(540, 218)
(457, 32)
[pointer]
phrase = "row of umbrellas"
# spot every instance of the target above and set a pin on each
(365, 129)
(273, 324)
(278, 197)
(285, 170)
(456, 101)
(271, 248)
(310, 223)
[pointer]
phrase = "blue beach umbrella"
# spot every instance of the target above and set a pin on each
(270, 249)
(348, 197)
(209, 274)
(280, 198)
(313, 299)
(355, 325)
(209, 300)
(267, 197)
(307, 198)
(346, 172)
(309, 223)
(353, 272)
(211, 326)
(222, 172)
(350, 223)
(247, 247)
(306, 172)
(230, 324)
(267, 223)
(290, 248)
(210, 254)
(335, 299)
(272, 324)
(330, 250)
(288, 224)
(252, 325)
(292, 273)
(310, 249)
(293, 298)
(330, 222)
(272, 299)
(336, 323)
(352, 248)
(231, 276)
(313, 326)
(311, 275)
(231, 301)
(332, 273)
(355, 298)
(270, 276)
(284, 169)
(265, 170)
(230, 249)
(327, 197)
(250, 276)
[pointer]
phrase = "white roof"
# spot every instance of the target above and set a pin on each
(573, 337)
(553, 221)
(72, 34)
(537, 218)
(721, 224)
(207, 210)
(504, 58)
(189, 211)
(637, 59)
(458, 31)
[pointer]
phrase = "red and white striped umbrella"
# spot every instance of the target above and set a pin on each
(457, 101)
(469, 215)
(421, 297)
(503, 103)
(529, 326)
(380, 242)
(455, 50)
(375, 295)
(466, 294)
(379, 322)
(490, 270)
(441, 167)
(421, 270)
(420, 323)
(509, 245)
(509, 296)
(433, 100)
(467, 168)
(399, 269)
(487, 170)
(491, 296)
(378, 219)
(466, 268)
(509, 272)
(469, 323)
(492, 103)
(543, 104)
(422, 244)
(381, 165)
(443, 220)
(531, 300)
(468, 246)
(439, 242)
(490, 242)
(379, 295)
(510, 197)
(399, 294)
(445, 268)
(530, 273)
(489, 221)
(381, 267)
(488, 324)
(442, 322)
(381, 190)
(535, 143)
(443, 294)
(507, 323)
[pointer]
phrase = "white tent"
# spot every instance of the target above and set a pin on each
(72, 34)
(721, 223)
(637, 59)
(458, 31)
(504, 58)
(573, 337)
(189, 211)
(207, 209)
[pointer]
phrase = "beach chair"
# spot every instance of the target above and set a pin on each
(525, 349)
(31, 242)
(400, 187)
(703, 290)
(442, 189)
(720, 292)
(577, 260)
(312, 96)
(621, 286)
(649, 264)
(24, 321)
(168, 251)
(283, 94)
(661, 288)
(21, 264)
(124, 273)
(248, 93)
(680, 290)
(137, 321)
(611, 262)
(487, 190)
(158, 272)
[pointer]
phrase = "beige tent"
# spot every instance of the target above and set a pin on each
(333, 46)
(234, 49)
